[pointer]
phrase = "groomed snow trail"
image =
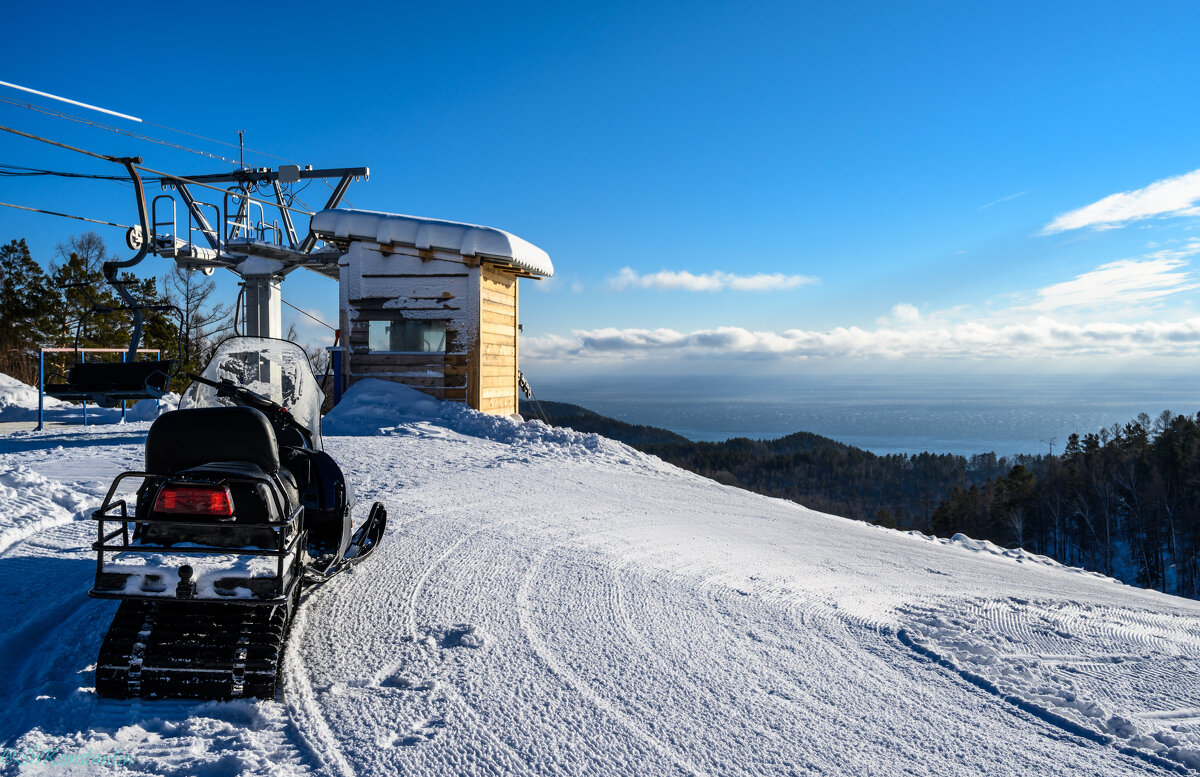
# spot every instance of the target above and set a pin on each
(554, 603)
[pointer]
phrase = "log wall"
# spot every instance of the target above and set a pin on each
(478, 304)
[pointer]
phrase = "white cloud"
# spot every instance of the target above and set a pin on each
(310, 331)
(670, 280)
(1002, 199)
(902, 313)
(1101, 313)
(1043, 337)
(1122, 283)
(1169, 197)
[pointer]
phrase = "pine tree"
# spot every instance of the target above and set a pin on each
(27, 302)
(87, 303)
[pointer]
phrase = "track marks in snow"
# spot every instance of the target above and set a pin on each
(307, 714)
(47, 655)
(1112, 675)
(33, 502)
(526, 615)
(545, 611)
(423, 579)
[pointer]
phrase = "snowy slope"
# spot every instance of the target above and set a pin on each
(549, 602)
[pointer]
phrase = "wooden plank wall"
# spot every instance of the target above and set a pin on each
(497, 390)
(396, 287)
(443, 375)
(478, 302)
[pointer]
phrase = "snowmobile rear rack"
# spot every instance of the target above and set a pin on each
(287, 541)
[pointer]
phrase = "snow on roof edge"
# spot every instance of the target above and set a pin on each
(425, 233)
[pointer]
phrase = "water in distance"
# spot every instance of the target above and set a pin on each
(885, 413)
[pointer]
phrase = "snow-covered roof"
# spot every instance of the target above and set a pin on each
(423, 233)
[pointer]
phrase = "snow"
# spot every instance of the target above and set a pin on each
(259, 266)
(19, 402)
(207, 570)
(550, 602)
(424, 233)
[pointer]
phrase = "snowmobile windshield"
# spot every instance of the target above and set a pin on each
(275, 369)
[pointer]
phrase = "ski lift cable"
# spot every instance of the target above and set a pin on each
(118, 130)
(20, 171)
(137, 136)
(310, 315)
(166, 177)
(224, 143)
(64, 215)
(31, 136)
(70, 101)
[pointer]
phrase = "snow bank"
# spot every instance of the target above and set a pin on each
(33, 502)
(18, 402)
(382, 407)
(1019, 555)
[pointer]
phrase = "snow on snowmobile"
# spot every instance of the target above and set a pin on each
(238, 511)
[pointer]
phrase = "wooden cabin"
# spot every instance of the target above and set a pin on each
(431, 304)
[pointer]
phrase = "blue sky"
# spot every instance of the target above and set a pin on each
(763, 187)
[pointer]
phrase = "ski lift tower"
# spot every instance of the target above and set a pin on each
(235, 234)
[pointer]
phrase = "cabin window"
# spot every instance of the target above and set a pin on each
(406, 337)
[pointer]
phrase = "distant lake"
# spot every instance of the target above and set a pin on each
(885, 413)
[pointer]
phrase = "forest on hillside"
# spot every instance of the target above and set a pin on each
(1124, 501)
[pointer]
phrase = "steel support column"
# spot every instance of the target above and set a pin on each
(262, 309)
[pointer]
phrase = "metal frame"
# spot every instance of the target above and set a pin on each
(284, 546)
(42, 376)
(238, 236)
(345, 175)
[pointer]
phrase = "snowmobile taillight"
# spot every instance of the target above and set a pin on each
(194, 500)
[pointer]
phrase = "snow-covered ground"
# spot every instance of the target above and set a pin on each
(548, 602)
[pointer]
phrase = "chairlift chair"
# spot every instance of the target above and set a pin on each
(108, 384)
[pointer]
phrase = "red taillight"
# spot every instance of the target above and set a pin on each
(194, 500)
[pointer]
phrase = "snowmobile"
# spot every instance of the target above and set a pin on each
(238, 511)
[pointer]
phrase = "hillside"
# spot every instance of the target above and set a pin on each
(583, 420)
(824, 474)
(550, 602)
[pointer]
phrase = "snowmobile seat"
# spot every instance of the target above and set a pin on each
(182, 439)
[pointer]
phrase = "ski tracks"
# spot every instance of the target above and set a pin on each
(553, 661)
(1110, 674)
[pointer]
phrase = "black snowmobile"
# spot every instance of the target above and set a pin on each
(238, 511)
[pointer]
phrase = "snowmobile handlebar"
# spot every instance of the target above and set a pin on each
(243, 396)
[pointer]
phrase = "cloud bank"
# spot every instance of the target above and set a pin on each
(1044, 337)
(670, 280)
(1169, 197)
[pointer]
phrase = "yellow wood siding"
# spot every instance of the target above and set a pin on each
(495, 384)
